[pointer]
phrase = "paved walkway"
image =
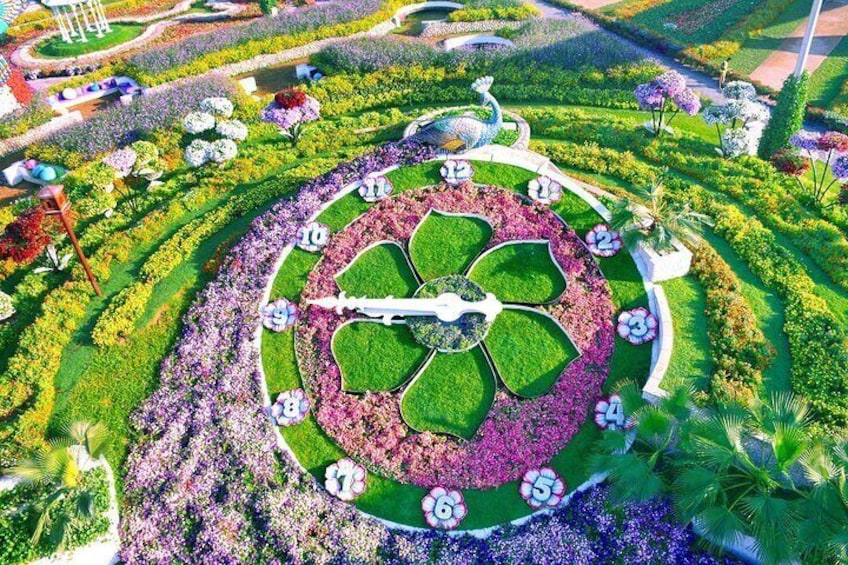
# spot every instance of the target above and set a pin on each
(705, 84)
(831, 28)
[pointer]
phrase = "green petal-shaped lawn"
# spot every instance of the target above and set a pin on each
(445, 244)
(522, 272)
(529, 351)
(379, 272)
(452, 395)
(373, 357)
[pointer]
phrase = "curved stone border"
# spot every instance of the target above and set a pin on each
(25, 57)
(443, 28)
(474, 40)
(521, 144)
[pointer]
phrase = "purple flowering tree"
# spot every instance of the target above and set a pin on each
(665, 97)
(289, 113)
(829, 148)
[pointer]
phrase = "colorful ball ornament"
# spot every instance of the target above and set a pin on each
(542, 488)
(603, 242)
(544, 190)
(456, 171)
(345, 479)
(279, 315)
(637, 326)
(444, 509)
(609, 413)
(375, 188)
(291, 408)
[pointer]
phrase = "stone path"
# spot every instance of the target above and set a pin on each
(705, 84)
(830, 30)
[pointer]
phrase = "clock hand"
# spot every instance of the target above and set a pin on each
(447, 307)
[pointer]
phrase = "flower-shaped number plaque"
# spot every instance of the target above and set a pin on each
(609, 413)
(602, 241)
(456, 171)
(637, 326)
(542, 488)
(544, 190)
(313, 237)
(291, 408)
(443, 509)
(345, 479)
(375, 188)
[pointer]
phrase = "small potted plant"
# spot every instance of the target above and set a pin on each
(654, 226)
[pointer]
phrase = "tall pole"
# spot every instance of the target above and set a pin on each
(809, 34)
(63, 215)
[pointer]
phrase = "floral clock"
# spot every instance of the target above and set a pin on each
(290, 408)
(542, 488)
(544, 190)
(456, 406)
(603, 242)
(637, 326)
(313, 237)
(375, 188)
(443, 509)
(279, 315)
(345, 479)
(456, 171)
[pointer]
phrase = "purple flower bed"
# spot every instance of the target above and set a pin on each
(206, 483)
(519, 433)
(121, 125)
(167, 57)
(566, 44)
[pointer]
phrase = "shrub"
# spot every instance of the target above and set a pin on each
(787, 117)
(25, 238)
(267, 6)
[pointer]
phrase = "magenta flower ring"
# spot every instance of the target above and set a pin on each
(456, 404)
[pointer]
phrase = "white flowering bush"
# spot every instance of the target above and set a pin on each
(7, 309)
(735, 142)
(232, 129)
(217, 106)
(198, 122)
(211, 121)
(739, 122)
(197, 153)
(222, 150)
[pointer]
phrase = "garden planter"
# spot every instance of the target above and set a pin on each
(667, 265)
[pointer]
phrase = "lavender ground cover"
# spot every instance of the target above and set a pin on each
(206, 483)
(309, 18)
(568, 44)
(120, 125)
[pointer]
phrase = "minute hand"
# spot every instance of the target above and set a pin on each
(447, 307)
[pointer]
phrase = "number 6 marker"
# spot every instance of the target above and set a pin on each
(443, 509)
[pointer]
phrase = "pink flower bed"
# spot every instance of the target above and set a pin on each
(518, 433)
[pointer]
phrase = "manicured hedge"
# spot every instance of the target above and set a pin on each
(787, 117)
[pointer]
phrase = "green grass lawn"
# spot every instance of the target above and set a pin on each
(374, 357)
(452, 395)
(380, 271)
(56, 48)
(529, 351)
(446, 244)
(756, 49)
(522, 273)
(827, 81)
(693, 22)
(690, 359)
(315, 450)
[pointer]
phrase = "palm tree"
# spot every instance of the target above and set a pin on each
(736, 471)
(59, 465)
(655, 221)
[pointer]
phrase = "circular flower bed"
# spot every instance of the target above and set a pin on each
(461, 335)
(518, 433)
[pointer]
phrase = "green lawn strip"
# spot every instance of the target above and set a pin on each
(56, 47)
(445, 244)
(374, 357)
(110, 383)
(380, 271)
(827, 81)
(506, 176)
(529, 351)
(343, 211)
(655, 19)
(690, 363)
(767, 307)
(519, 273)
(756, 49)
(471, 385)
(399, 502)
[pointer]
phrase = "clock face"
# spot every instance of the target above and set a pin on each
(446, 414)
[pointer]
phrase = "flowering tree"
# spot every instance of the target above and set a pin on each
(213, 118)
(290, 110)
(25, 238)
(742, 118)
(139, 166)
(831, 148)
(665, 97)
